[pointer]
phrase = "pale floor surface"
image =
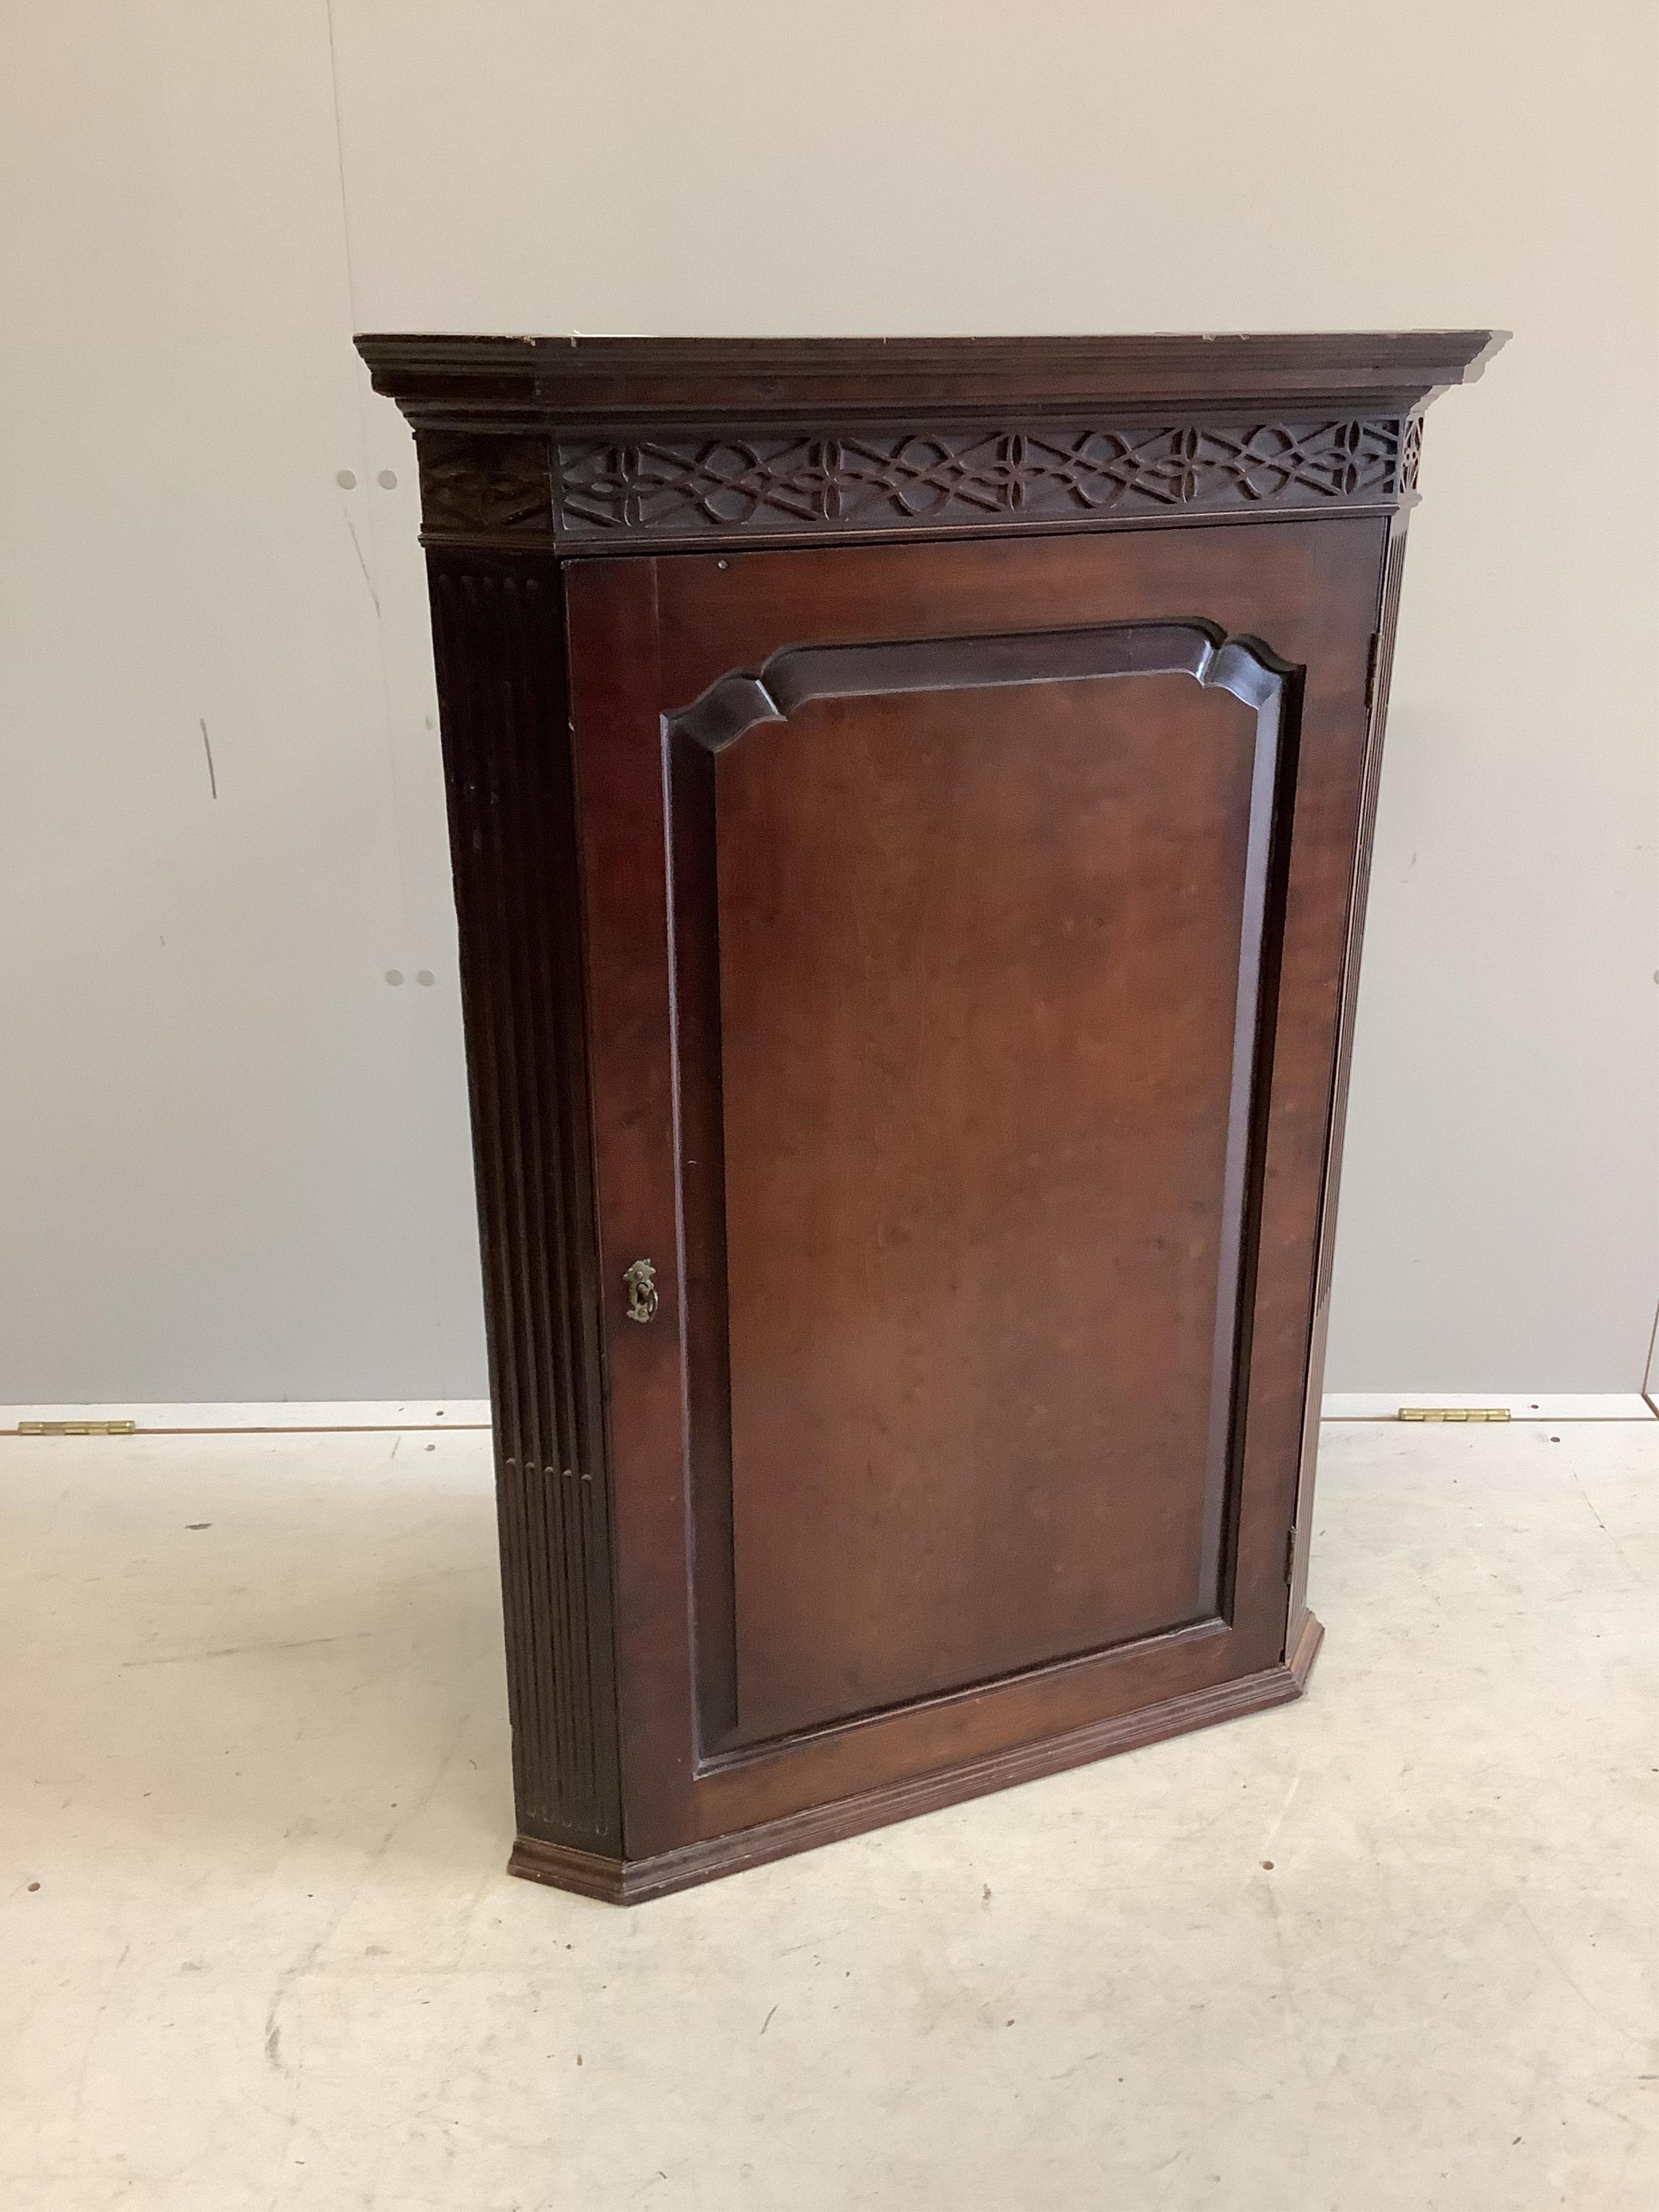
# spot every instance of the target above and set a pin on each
(258, 1770)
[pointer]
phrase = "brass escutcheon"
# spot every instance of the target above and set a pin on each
(641, 1281)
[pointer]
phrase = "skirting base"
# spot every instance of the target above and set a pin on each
(631, 1881)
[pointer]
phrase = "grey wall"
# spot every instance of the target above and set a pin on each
(236, 1155)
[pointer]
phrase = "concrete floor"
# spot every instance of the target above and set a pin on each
(258, 1769)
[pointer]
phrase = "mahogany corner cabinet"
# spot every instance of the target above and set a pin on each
(911, 803)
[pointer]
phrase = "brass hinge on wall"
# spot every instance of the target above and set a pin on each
(77, 1428)
(1454, 1413)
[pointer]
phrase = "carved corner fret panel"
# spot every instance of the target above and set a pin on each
(909, 970)
(481, 488)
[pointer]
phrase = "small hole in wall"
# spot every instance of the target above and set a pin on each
(387, 480)
(394, 974)
(423, 975)
(347, 480)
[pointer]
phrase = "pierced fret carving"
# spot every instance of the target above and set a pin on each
(475, 486)
(1411, 452)
(482, 490)
(897, 479)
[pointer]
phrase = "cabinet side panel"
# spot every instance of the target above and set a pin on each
(1382, 671)
(499, 632)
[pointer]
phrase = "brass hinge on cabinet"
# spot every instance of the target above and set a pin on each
(1454, 1413)
(1373, 662)
(77, 1428)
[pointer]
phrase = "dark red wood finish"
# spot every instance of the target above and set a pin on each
(922, 925)
(1310, 593)
(978, 956)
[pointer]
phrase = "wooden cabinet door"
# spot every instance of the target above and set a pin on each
(964, 928)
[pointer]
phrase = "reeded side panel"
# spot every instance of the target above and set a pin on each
(499, 632)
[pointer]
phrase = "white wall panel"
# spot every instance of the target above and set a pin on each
(239, 1157)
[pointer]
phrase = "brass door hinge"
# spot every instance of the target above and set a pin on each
(77, 1428)
(1454, 1413)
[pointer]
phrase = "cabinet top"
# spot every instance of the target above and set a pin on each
(582, 445)
(591, 379)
